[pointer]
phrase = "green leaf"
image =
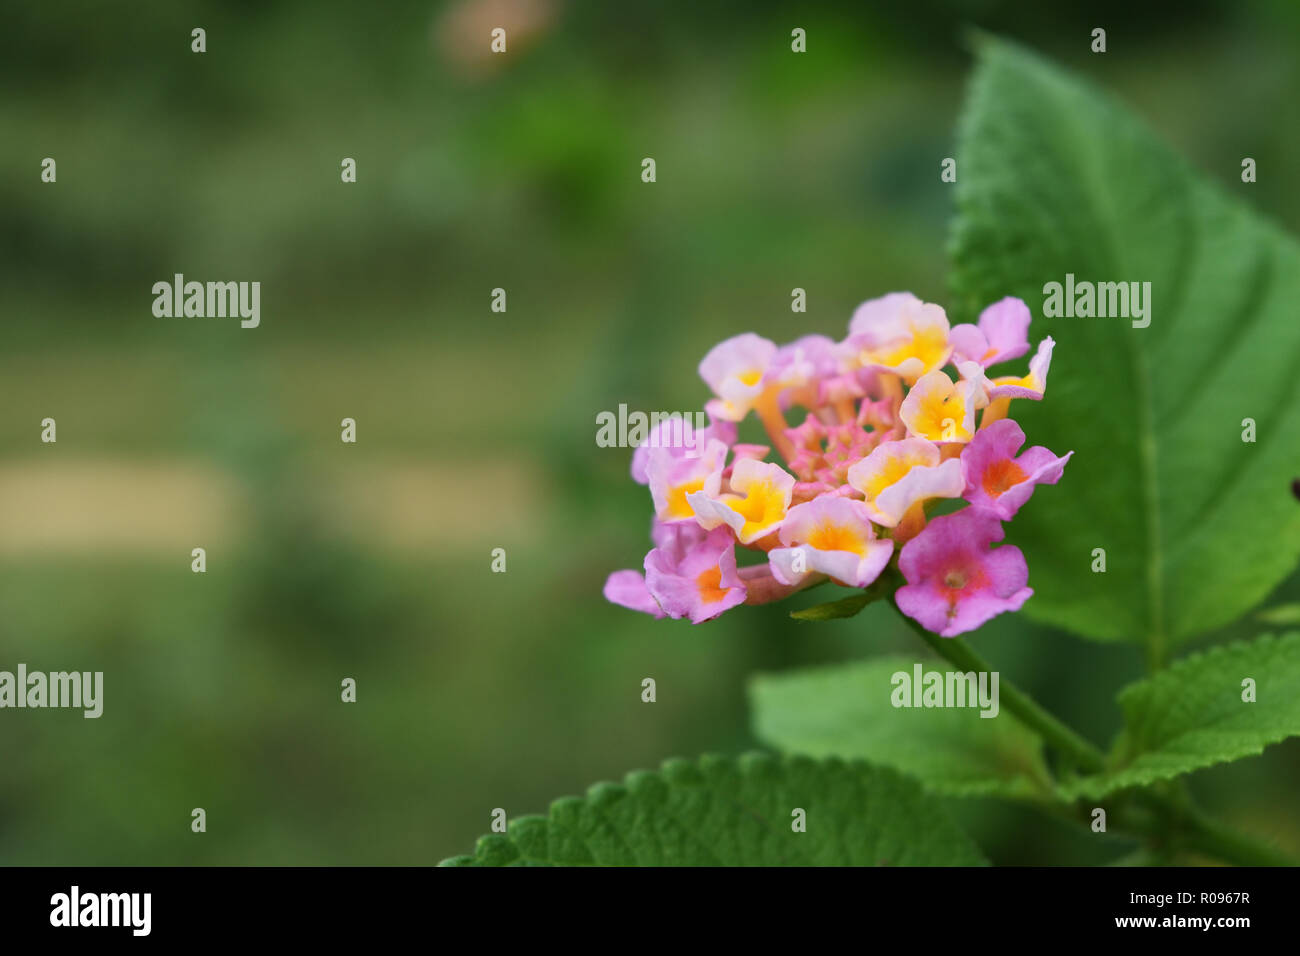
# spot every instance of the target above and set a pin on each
(1198, 526)
(830, 611)
(1192, 715)
(722, 811)
(1282, 615)
(847, 711)
(883, 586)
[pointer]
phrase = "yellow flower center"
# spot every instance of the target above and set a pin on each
(763, 506)
(892, 471)
(941, 417)
(928, 344)
(678, 507)
(831, 537)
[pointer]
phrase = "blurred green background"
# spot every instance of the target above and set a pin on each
(475, 429)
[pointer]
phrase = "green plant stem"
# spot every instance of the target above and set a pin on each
(1079, 751)
(1195, 830)
(1211, 838)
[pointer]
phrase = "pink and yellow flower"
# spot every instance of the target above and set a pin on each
(832, 536)
(885, 431)
(940, 410)
(735, 369)
(900, 334)
(756, 504)
(673, 478)
(900, 476)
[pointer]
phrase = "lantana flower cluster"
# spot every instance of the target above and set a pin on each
(873, 433)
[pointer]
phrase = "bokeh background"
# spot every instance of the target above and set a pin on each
(476, 429)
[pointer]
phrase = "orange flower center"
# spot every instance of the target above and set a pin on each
(710, 586)
(1001, 475)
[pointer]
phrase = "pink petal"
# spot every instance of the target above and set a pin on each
(1005, 325)
(628, 589)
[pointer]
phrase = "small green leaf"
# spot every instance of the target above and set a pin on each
(886, 584)
(1193, 715)
(722, 811)
(847, 711)
(1198, 525)
(830, 611)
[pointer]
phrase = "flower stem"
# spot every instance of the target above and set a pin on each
(769, 413)
(1193, 829)
(1080, 752)
(1211, 838)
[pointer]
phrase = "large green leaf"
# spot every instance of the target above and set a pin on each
(721, 811)
(846, 711)
(1198, 526)
(1192, 715)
